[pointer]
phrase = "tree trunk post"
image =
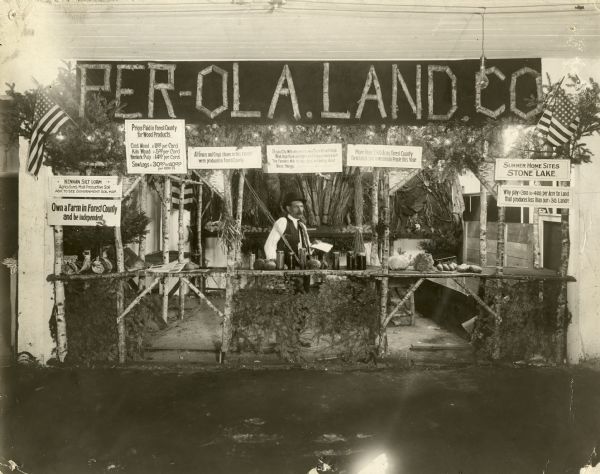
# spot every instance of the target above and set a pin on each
(229, 290)
(483, 194)
(238, 215)
(561, 306)
(496, 352)
(166, 221)
(358, 198)
(199, 249)
(181, 248)
(385, 251)
(374, 260)
(143, 198)
(121, 330)
(59, 296)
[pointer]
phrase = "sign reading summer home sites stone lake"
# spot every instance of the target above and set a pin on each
(533, 171)
(74, 201)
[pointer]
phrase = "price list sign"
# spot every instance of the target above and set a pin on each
(155, 146)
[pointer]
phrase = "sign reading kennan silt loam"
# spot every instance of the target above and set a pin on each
(392, 92)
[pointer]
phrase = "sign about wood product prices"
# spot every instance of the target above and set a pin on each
(155, 146)
(314, 158)
(532, 170)
(84, 212)
(385, 156)
(224, 157)
(534, 196)
(86, 186)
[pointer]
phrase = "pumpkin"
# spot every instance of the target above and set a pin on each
(399, 262)
(313, 264)
(259, 264)
(439, 267)
(270, 265)
(445, 267)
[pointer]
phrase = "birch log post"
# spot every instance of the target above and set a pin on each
(229, 290)
(561, 303)
(199, 249)
(238, 215)
(500, 250)
(143, 198)
(535, 219)
(374, 260)
(181, 247)
(483, 194)
(358, 199)
(166, 221)
(59, 296)
(121, 330)
(385, 251)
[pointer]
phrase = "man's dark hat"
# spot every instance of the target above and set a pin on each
(293, 196)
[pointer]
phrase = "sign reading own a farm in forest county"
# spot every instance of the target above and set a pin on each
(84, 212)
(342, 92)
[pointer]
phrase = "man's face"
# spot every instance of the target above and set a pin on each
(296, 209)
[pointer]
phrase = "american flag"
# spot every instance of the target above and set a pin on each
(48, 118)
(559, 120)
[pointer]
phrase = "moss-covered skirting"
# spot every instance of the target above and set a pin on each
(341, 312)
(528, 325)
(90, 311)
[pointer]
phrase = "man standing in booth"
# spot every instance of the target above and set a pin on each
(294, 233)
(291, 227)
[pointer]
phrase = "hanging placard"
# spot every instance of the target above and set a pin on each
(224, 157)
(532, 170)
(385, 156)
(534, 196)
(86, 186)
(155, 146)
(84, 212)
(313, 158)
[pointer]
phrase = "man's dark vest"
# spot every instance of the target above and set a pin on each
(292, 235)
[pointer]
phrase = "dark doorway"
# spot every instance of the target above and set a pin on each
(552, 242)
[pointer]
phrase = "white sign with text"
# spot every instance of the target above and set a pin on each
(155, 146)
(312, 158)
(385, 156)
(224, 157)
(86, 186)
(534, 196)
(84, 212)
(532, 170)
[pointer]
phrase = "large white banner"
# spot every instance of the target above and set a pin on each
(534, 196)
(84, 212)
(155, 146)
(312, 158)
(385, 156)
(224, 157)
(86, 186)
(532, 170)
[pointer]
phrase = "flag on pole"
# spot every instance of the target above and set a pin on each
(48, 118)
(559, 121)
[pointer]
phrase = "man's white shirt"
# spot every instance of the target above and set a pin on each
(277, 231)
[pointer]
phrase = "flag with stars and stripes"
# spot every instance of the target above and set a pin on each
(48, 118)
(559, 121)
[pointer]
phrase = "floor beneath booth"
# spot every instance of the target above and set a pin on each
(196, 339)
(472, 420)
